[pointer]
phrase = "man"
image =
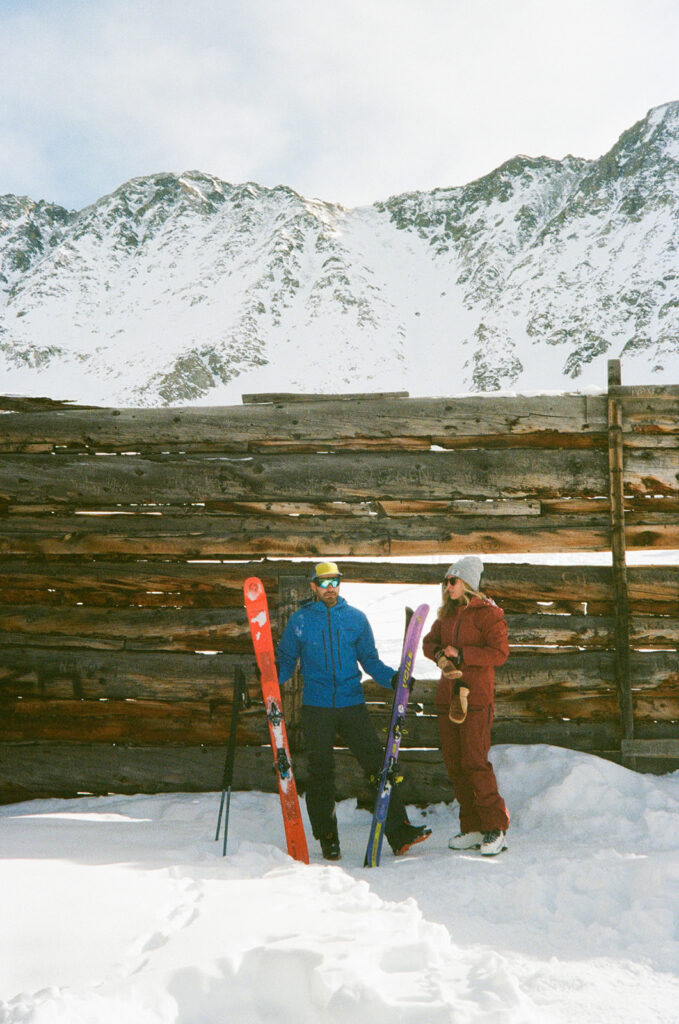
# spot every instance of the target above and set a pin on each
(331, 639)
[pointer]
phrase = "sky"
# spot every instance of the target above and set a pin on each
(349, 101)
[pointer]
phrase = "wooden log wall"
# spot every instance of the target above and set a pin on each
(126, 534)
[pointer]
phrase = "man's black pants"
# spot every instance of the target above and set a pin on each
(355, 729)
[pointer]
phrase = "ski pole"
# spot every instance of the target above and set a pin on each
(241, 698)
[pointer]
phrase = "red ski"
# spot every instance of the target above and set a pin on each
(257, 609)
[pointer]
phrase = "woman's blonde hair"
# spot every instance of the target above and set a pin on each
(448, 606)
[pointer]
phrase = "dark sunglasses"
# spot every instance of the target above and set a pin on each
(449, 579)
(333, 581)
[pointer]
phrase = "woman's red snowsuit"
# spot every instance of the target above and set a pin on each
(479, 631)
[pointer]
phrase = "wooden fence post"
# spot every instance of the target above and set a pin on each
(292, 590)
(616, 492)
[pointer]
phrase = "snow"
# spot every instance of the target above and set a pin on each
(121, 908)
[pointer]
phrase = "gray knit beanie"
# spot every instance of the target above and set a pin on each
(468, 569)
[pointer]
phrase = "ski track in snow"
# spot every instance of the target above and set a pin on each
(123, 909)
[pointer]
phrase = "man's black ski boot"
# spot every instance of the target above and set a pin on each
(407, 836)
(330, 846)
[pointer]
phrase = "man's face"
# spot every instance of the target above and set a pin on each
(326, 589)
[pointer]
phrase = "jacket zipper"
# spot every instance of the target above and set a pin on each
(458, 627)
(332, 661)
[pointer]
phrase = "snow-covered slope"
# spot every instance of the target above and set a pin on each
(121, 909)
(186, 288)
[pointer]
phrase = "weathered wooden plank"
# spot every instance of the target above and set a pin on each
(509, 727)
(29, 403)
(652, 590)
(132, 584)
(391, 508)
(290, 397)
(344, 444)
(45, 769)
(123, 721)
(293, 590)
(117, 481)
(170, 537)
(645, 503)
(557, 420)
(650, 392)
(513, 535)
(167, 629)
(423, 732)
(293, 508)
(114, 481)
(648, 410)
(616, 474)
(49, 769)
(517, 587)
(585, 703)
(601, 738)
(554, 419)
(61, 673)
(655, 695)
(639, 537)
(651, 471)
(31, 770)
(462, 507)
(589, 631)
(662, 748)
(575, 506)
(343, 509)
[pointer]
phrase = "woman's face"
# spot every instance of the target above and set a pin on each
(454, 588)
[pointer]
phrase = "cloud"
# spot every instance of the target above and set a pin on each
(339, 99)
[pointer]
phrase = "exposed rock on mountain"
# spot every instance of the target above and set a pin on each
(183, 288)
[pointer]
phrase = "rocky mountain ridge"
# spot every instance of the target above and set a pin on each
(184, 288)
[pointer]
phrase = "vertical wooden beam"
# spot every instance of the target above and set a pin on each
(292, 590)
(618, 550)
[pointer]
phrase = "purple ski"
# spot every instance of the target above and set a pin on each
(388, 776)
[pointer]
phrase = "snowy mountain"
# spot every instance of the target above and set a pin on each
(183, 288)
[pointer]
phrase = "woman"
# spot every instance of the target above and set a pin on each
(467, 641)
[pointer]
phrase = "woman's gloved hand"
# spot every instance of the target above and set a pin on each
(457, 712)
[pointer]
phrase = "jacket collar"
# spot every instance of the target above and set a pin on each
(341, 602)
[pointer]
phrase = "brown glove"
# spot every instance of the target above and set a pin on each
(448, 668)
(457, 712)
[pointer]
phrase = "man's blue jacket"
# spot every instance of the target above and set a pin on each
(330, 644)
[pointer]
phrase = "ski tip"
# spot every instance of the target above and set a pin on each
(252, 588)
